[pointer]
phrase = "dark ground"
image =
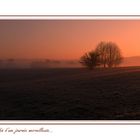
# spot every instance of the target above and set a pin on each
(70, 94)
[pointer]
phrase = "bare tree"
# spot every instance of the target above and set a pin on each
(90, 60)
(109, 53)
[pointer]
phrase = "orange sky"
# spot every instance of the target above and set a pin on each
(66, 39)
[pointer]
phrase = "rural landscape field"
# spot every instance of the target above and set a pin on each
(70, 69)
(70, 94)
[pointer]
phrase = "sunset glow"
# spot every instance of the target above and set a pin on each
(66, 39)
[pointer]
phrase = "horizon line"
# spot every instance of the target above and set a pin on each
(55, 58)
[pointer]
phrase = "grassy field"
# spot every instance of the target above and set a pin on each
(70, 94)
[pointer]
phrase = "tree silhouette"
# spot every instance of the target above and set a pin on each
(109, 53)
(90, 60)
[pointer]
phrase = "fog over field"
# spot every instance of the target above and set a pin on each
(48, 63)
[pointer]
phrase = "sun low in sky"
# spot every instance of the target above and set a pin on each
(65, 39)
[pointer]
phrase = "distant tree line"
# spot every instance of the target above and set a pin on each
(106, 54)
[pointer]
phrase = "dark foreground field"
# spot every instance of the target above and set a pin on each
(70, 94)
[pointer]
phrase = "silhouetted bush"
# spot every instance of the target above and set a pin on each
(90, 60)
(106, 54)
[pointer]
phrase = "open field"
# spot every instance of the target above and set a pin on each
(70, 94)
